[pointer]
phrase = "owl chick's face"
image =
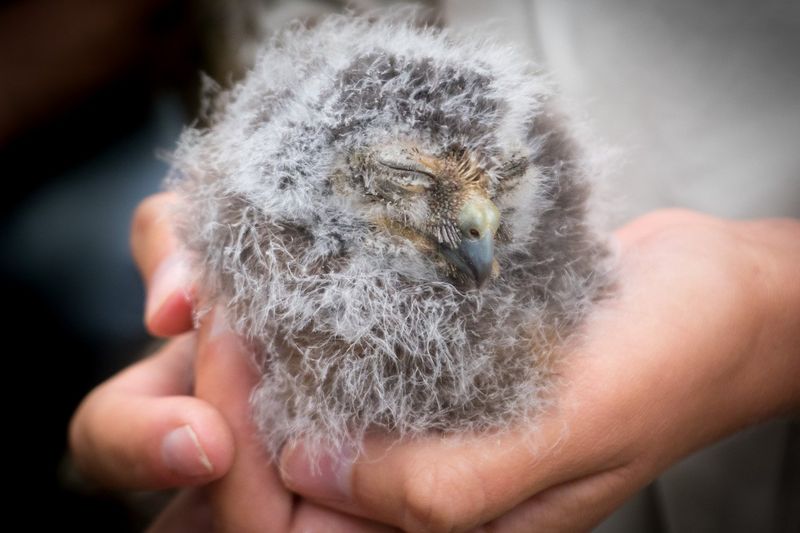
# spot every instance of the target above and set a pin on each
(427, 149)
(442, 203)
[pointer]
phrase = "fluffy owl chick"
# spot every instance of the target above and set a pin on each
(397, 223)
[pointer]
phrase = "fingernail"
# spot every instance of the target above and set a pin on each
(326, 477)
(172, 275)
(183, 453)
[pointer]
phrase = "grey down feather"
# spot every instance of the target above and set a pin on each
(354, 326)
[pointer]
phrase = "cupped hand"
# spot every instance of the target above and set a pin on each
(694, 344)
(700, 339)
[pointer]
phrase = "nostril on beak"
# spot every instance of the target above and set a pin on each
(478, 218)
(478, 221)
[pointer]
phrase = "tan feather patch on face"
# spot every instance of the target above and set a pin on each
(457, 181)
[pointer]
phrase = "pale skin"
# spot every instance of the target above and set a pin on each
(701, 339)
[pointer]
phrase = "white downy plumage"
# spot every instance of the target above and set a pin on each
(353, 324)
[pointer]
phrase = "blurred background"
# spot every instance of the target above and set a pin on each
(89, 91)
(701, 101)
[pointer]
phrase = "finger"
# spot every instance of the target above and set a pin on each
(578, 505)
(168, 309)
(310, 517)
(136, 431)
(251, 496)
(188, 512)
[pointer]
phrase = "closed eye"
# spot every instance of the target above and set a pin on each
(411, 179)
(404, 168)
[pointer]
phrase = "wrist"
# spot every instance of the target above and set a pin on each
(775, 362)
(725, 345)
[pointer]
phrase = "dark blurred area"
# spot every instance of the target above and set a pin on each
(89, 91)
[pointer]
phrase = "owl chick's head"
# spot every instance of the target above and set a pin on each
(351, 192)
(440, 202)
(382, 132)
(423, 152)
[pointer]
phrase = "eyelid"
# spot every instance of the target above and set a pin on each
(422, 179)
(405, 168)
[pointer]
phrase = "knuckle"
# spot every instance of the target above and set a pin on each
(76, 430)
(82, 437)
(140, 224)
(151, 234)
(145, 213)
(443, 496)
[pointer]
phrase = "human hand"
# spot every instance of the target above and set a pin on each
(143, 429)
(699, 341)
(631, 404)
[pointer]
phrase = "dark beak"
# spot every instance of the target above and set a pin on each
(478, 221)
(478, 256)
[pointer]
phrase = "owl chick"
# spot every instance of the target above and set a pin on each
(396, 221)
